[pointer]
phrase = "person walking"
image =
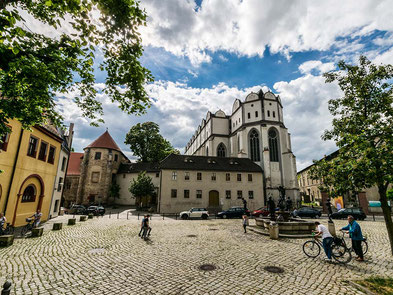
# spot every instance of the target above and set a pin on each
(3, 222)
(148, 227)
(143, 224)
(327, 239)
(355, 233)
(245, 223)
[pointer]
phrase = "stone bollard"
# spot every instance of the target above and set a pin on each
(37, 232)
(6, 288)
(83, 218)
(72, 221)
(331, 228)
(273, 230)
(57, 226)
(6, 240)
(91, 215)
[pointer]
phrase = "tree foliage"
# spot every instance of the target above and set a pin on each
(35, 66)
(114, 190)
(147, 143)
(362, 129)
(143, 186)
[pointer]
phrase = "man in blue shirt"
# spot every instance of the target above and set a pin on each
(355, 232)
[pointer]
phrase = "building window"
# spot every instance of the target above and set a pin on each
(251, 194)
(239, 194)
(56, 208)
(186, 194)
(268, 113)
(199, 175)
(239, 177)
(95, 177)
(273, 145)
(174, 175)
(63, 163)
(249, 177)
(174, 193)
(214, 177)
(59, 185)
(186, 175)
(157, 174)
(274, 114)
(43, 151)
(116, 157)
(221, 150)
(228, 176)
(256, 114)
(32, 149)
(199, 194)
(238, 143)
(97, 156)
(51, 157)
(248, 115)
(4, 141)
(29, 194)
(254, 146)
(227, 194)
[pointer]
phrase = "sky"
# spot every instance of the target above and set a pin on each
(204, 54)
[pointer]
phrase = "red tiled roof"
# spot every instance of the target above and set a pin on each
(74, 164)
(104, 141)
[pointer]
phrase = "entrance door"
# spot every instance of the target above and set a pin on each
(214, 199)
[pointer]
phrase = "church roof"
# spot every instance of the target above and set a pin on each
(138, 167)
(74, 163)
(104, 141)
(203, 163)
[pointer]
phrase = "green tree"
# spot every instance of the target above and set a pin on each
(142, 187)
(362, 129)
(35, 67)
(114, 191)
(147, 143)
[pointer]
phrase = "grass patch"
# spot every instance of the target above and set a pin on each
(381, 286)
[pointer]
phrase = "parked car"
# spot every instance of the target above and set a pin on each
(233, 212)
(263, 211)
(77, 209)
(357, 213)
(96, 210)
(195, 213)
(306, 212)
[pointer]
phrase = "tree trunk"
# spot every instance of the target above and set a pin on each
(386, 213)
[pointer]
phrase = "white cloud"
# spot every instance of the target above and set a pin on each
(247, 27)
(316, 65)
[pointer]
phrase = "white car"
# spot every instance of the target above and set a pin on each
(195, 213)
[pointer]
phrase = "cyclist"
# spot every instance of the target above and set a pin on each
(327, 239)
(3, 222)
(37, 218)
(355, 233)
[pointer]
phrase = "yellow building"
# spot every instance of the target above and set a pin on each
(29, 161)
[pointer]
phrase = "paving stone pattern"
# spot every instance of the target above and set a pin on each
(106, 256)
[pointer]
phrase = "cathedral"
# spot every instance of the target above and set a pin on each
(255, 129)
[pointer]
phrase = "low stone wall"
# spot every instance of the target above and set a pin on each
(294, 226)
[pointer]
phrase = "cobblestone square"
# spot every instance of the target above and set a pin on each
(106, 256)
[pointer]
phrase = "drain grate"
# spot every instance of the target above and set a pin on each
(274, 269)
(207, 267)
(191, 236)
(97, 250)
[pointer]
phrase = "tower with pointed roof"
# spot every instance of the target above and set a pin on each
(98, 168)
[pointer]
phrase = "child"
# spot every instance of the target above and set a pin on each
(245, 223)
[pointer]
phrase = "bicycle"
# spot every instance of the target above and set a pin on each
(9, 230)
(340, 252)
(28, 227)
(364, 245)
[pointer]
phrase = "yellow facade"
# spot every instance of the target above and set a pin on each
(29, 173)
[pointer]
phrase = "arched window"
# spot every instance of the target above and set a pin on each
(207, 151)
(273, 145)
(238, 143)
(254, 146)
(221, 150)
(29, 194)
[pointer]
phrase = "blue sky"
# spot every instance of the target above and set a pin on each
(205, 54)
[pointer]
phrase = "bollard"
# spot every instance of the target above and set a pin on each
(110, 213)
(117, 215)
(138, 216)
(57, 226)
(6, 288)
(71, 221)
(273, 230)
(90, 216)
(127, 214)
(176, 215)
(373, 216)
(163, 216)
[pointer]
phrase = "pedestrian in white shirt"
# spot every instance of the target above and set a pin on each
(327, 239)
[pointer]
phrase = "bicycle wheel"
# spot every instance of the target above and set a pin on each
(341, 253)
(311, 249)
(364, 247)
(9, 230)
(25, 230)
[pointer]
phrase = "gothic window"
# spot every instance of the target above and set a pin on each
(273, 145)
(254, 146)
(29, 194)
(221, 150)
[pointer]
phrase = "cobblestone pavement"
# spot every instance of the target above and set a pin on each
(106, 256)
